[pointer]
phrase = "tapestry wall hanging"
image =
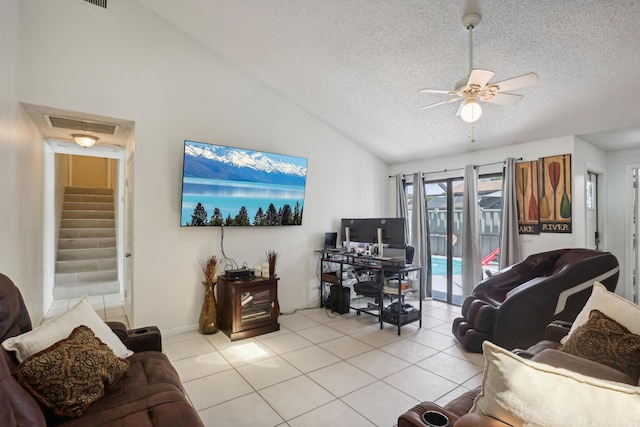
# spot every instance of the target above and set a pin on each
(554, 204)
(527, 197)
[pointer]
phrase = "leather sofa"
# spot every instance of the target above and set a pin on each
(150, 394)
(546, 351)
(513, 307)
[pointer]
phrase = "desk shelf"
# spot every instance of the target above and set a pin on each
(334, 264)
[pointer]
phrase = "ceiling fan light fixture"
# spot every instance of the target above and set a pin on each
(84, 140)
(471, 110)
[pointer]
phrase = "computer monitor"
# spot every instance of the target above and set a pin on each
(365, 230)
(391, 229)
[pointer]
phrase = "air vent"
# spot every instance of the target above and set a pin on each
(101, 3)
(74, 124)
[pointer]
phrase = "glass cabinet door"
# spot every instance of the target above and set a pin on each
(256, 305)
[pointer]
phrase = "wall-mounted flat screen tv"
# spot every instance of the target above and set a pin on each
(227, 186)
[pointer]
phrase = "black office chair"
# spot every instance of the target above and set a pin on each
(369, 283)
(409, 253)
(373, 288)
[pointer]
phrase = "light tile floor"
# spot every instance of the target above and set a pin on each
(109, 307)
(320, 369)
(323, 369)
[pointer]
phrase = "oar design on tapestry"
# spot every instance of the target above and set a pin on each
(554, 177)
(565, 204)
(521, 185)
(533, 205)
(544, 201)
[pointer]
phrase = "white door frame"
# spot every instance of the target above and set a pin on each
(600, 204)
(127, 231)
(53, 147)
(630, 255)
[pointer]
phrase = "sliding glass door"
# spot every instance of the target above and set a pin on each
(444, 202)
(444, 205)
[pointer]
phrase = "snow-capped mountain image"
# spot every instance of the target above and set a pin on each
(233, 186)
(219, 162)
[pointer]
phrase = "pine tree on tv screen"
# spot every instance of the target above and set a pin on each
(228, 186)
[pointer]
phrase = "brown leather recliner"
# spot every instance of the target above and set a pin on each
(546, 351)
(149, 395)
(513, 307)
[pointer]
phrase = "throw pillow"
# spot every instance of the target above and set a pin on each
(60, 327)
(521, 392)
(606, 341)
(72, 374)
(619, 309)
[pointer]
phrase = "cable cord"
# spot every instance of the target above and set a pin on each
(229, 263)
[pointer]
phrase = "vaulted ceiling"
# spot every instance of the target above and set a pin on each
(357, 65)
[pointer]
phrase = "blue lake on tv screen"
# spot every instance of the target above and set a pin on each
(230, 196)
(229, 178)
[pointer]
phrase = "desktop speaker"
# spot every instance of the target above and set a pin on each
(340, 298)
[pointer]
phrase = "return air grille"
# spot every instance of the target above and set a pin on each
(73, 124)
(101, 3)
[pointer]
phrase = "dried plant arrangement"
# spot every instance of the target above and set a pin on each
(271, 260)
(209, 313)
(210, 269)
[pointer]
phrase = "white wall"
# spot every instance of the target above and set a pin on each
(136, 67)
(21, 191)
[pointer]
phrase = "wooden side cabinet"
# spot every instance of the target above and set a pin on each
(248, 307)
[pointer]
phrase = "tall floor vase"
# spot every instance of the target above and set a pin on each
(209, 313)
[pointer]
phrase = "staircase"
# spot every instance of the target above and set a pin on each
(86, 262)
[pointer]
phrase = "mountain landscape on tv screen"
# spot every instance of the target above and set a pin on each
(217, 162)
(232, 186)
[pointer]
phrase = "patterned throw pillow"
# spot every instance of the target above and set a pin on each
(72, 374)
(606, 341)
(60, 327)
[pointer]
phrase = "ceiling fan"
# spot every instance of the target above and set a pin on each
(476, 86)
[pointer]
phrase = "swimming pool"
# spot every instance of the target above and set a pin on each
(439, 265)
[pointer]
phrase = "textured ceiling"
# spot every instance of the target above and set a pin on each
(358, 65)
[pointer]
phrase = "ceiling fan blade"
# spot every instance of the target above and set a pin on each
(439, 103)
(503, 99)
(459, 109)
(441, 91)
(479, 77)
(519, 82)
(442, 102)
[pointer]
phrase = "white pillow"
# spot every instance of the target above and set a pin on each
(60, 328)
(619, 309)
(521, 392)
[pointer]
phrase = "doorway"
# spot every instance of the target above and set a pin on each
(59, 159)
(592, 232)
(445, 223)
(444, 205)
(444, 201)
